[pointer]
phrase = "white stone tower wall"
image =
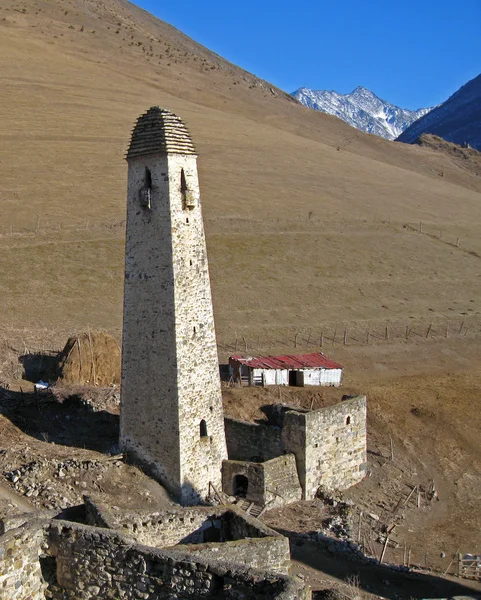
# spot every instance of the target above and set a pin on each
(170, 372)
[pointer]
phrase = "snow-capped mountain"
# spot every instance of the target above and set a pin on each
(457, 120)
(361, 109)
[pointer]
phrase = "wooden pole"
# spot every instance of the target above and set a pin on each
(295, 340)
(321, 341)
(410, 494)
(392, 450)
(461, 328)
(245, 343)
(447, 330)
(421, 227)
(451, 562)
(359, 528)
(345, 336)
(405, 554)
(387, 332)
(384, 549)
(407, 332)
(409, 558)
(429, 330)
(334, 336)
(368, 336)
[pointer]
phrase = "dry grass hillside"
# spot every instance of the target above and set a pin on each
(299, 207)
(315, 230)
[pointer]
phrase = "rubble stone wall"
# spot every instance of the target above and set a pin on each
(20, 568)
(269, 553)
(93, 563)
(249, 441)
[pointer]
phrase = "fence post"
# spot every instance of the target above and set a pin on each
(295, 340)
(429, 330)
(345, 336)
(321, 341)
(461, 328)
(387, 332)
(245, 343)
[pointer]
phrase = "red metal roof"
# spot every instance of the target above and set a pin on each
(291, 361)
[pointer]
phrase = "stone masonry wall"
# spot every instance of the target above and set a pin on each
(273, 483)
(171, 406)
(20, 571)
(335, 450)
(93, 563)
(281, 481)
(270, 553)
(249, 441)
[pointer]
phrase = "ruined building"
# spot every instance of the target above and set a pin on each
(171, 406)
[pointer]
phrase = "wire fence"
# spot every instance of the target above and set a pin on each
(353, 334)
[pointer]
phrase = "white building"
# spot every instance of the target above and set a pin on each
(294, 370)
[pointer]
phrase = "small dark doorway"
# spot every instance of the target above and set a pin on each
(241, 485)
(203, 429)
(296, 378)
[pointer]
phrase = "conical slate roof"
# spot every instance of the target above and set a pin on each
(159, 131)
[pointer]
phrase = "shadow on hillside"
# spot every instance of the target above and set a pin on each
(72, 422)
(38, 366)
(373, 578)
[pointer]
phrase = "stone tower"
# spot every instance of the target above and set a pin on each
(171, 419)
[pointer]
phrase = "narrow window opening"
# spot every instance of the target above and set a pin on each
(146, 191)
(187, 221)
(348, 420)
(183, 188)
(241, 486)
(203, 429)
(190, 261)
(187, 197)
(195, 330)
(148, 179)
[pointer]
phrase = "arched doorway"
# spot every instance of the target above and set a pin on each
(241, 485)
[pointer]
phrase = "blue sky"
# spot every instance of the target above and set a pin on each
(411, 53)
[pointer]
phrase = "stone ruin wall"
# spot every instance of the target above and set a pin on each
(250, 441)
(92, 563)
(330, 443)
(248, 542)
(20, 570)
(267, 554)
(273, 483)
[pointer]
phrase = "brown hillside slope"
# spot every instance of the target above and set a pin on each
(300, 207)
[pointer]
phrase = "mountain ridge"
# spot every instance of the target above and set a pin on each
(361, 109)
(457, 120)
